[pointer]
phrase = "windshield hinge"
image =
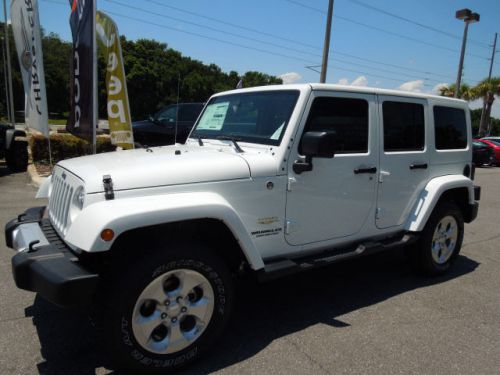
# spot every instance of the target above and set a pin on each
(108, 187)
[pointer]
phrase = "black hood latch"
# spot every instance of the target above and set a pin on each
(108, 187)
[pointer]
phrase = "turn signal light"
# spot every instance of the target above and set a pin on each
(107, 235)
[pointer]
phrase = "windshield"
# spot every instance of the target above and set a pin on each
(255, 117)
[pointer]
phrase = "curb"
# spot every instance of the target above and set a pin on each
(35, 178)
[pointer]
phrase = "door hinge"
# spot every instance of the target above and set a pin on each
(377, 213)
(290, 226)
(383, 174)
(291, 180)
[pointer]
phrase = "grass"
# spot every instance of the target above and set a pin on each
(58, 121)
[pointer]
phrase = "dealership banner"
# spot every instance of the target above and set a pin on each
(120, 124)
(26, 28)
(83, 71)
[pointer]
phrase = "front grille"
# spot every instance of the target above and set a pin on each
(59, 203)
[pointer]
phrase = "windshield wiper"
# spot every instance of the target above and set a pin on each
(232, 139)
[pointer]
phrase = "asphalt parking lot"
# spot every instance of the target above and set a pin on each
(371, 316)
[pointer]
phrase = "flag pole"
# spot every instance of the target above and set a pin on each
(50, 148)
(9, 68)
(94, 80)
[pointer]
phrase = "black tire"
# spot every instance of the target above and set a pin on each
(421, 253)
(127, 284)
(17, 156)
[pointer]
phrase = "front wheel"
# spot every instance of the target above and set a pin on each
(168, 310)
(441, 240)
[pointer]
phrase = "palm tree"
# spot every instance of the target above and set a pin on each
(466, 92)
(486, 89)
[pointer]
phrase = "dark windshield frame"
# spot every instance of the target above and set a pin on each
(208, 134)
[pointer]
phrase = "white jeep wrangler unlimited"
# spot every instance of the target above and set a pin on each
(272, 180)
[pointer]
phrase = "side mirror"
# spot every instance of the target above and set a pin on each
(317, 145)
(151, 118)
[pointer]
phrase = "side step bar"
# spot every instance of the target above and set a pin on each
(284, 267)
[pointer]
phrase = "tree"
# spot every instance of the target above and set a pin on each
(56, 60)
(486, 89)
(153, 71)
(466, 91)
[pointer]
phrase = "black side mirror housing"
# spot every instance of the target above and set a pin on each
(317, 145)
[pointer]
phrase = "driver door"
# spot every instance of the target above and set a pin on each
(334, 200)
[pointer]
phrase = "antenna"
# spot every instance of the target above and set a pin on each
(177, 107)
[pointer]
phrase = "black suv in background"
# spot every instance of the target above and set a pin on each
(159, 129)
(14, 148)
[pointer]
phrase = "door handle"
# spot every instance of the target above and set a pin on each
(371, 170)
(418, 166)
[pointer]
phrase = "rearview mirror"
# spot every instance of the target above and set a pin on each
(317, 145)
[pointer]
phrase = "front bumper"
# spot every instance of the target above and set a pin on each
(44, 264)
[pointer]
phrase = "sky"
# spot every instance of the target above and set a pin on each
(397, 44)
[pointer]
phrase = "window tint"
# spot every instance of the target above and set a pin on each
(404, 127)
(348, 118)
(450, 128)
(189, 112)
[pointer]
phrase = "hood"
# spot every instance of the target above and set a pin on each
(158, 166)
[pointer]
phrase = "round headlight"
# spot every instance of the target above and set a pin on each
(80, 197)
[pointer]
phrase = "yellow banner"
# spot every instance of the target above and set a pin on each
(120, 124)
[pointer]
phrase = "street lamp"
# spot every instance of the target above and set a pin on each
(467, 16)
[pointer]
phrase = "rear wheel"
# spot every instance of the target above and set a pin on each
(441, 240)
(165, 312)
(17, 156)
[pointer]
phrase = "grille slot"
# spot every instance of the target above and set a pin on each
(59, 203)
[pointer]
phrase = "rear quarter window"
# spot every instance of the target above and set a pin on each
(450, 128)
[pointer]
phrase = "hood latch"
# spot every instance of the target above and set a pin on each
(108, 187)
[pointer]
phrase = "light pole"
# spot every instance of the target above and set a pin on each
(467, 16)
(326, 47)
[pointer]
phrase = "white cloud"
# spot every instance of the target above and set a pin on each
(413, 86)
(360, 81)
(290, 77)
(435, 89)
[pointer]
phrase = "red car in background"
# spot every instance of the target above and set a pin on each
(495, 145)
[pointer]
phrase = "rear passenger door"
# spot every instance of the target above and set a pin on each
(403, 157)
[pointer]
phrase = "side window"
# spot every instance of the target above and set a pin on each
(167, 115)
(404, 126)
(348, 118)
(450, 128)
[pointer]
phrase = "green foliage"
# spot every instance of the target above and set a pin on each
(476, 118)
(56, 60)
(17, 83)
(153, 72)
(65, 146)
